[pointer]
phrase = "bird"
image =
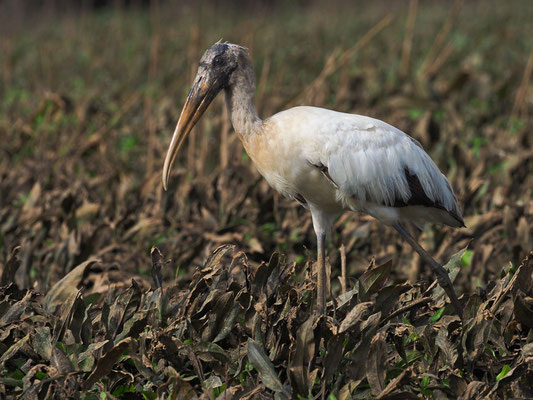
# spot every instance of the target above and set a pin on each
(328, 161)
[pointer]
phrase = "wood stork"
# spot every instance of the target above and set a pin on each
(328, 161)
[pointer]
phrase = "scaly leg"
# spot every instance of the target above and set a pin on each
(442, 275)
(322, 285)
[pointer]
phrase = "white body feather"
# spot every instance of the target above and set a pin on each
(366, 159)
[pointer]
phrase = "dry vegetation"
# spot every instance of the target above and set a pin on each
(222, 306)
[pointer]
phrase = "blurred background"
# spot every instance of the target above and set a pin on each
(90, 93)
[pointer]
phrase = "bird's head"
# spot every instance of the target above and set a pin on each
(216, 71)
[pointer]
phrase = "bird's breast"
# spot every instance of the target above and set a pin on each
(281, 160)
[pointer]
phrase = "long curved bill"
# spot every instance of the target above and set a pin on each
(200, 96)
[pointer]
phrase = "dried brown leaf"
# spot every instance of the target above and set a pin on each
(473, 390)
(355, 316)
(265, 369)
(11, 267)
(214, 259)
(42, 342)
(65, 315)
(359, 356)
(123, 308)
(523, 310)
(220, 311)
(376, 364)
(14, 311)
(445, 345)
(60, 361)
(334, 355)
(345, 393)
(106, 363)
(185, 390)
(395, 384)
(403, 395)
(373, 279)
(302, 353)
(87, 358)
(68, 285)
(208, 351)
(228, 323)
(453, 266)
(11, 351)
(156, 267)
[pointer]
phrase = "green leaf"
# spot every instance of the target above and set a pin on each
(219, 390)
(40, 375)
(505, 370)
(122, 389)
(435, 317)
(466, 259)
(415, 113)
(149, 395)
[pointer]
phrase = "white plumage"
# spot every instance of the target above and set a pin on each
(366, 160)
(326, 160)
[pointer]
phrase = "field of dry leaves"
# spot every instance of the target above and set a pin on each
(111, 288)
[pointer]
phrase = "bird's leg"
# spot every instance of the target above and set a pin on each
(442, 275)
(322, 285)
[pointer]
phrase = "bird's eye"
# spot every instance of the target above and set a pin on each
(218, 61)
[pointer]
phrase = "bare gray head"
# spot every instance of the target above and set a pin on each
(223, 66)
(222, 63)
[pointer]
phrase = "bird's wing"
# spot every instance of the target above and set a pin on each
(372, 161)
